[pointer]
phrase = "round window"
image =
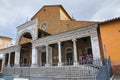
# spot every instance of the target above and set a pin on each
(43, 26)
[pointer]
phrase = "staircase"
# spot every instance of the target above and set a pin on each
(116, 77)
(80, 72)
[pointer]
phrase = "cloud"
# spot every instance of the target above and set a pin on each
(15, 12)
(108, 10)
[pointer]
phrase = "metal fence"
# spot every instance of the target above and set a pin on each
(105, 71)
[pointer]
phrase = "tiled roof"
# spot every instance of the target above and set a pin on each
(110, 20)
(5, 37)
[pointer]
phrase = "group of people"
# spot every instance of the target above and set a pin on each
(86, 59)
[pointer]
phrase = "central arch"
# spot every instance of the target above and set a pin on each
(26, 49)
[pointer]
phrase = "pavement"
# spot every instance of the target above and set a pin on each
(115, 77)
(20, 79)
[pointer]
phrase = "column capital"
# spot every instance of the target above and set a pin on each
(74, 39)
(4, 54)
(46, 45)
(59, 42)
(33, 47)
(18, 47)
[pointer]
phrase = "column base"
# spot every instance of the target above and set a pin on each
(16, 65)
(8, 66)
(60, 64)
(47, 65)
(75, 63)
(34, 65)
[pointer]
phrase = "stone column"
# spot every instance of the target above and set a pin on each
(59, 54)
(34, 57)
(96, 50)
(3, 60)
(9, 59)
(50, 56)
(47, 57)
(17, 57)
(95, 46)
(75, 52)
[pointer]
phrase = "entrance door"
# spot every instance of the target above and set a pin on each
(0, 65)
(25, 61)
(69, 58)
(43, 58)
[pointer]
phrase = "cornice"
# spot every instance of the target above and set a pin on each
(69, 35)
(10, 49)
(27, 24)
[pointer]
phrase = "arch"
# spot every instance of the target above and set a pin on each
(67, 50)
(24, 39)
(69, 55)
(19, 36)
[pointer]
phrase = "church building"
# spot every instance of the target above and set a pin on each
(53, 40)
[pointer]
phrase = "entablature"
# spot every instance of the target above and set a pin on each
(10, 49)
(69, 35)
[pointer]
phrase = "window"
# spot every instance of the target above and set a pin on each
(43, 27)
(7, 44)
(0, 42)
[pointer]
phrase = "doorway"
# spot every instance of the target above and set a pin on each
(25, 62)
(43, 58)
(69, 56)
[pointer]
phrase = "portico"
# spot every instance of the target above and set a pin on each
(53, 50)
(49, 51)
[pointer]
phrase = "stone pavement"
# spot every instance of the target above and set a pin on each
(20, 79)
(116, 77)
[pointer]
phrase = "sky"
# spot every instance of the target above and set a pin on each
(16, 12)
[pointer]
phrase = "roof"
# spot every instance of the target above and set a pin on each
(5, 37)
(110, 20)
(53, 6)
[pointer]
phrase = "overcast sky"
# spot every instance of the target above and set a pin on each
(15, 12)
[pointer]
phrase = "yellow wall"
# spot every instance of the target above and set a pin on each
(63, 15)
(4, 41)
(110, 35)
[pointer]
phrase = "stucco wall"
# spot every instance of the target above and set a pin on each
(110, 35)
(4, 41)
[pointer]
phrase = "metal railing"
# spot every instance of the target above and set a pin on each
(87, 71)
(105, 71)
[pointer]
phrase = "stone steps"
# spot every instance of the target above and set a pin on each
(116, 77)
(56, 73)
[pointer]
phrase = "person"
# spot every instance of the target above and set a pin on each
(91, 58)
(88, 59)
(84, 59)
(80, 59)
